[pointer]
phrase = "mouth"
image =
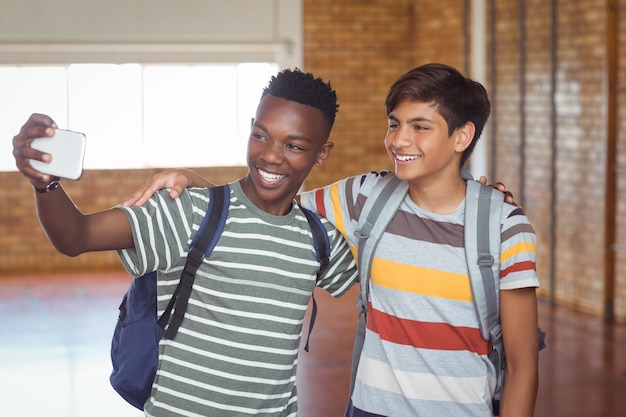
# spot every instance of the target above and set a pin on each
(269, 177)
(406, 158)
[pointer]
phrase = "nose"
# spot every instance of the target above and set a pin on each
(273, 153)
(398, 138)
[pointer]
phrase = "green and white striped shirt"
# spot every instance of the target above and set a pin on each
(236, 351)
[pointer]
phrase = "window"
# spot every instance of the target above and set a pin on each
(138, 116)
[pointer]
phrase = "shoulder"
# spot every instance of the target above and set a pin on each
(191, 202)
(315, 219)
(344, 188)
(515, 220)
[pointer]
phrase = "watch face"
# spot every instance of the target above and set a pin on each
(53, 185)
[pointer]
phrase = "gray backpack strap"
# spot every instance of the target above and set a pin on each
(483, 210)
(379, 208)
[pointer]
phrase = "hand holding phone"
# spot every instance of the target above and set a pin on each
(68, 152)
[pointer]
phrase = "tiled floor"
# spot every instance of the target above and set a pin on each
(54, 344)
(55, 333)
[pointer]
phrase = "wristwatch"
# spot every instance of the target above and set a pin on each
(52, 185)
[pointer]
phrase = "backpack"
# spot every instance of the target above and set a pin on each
(135, 341)
(483, 205)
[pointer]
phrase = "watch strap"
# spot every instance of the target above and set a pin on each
(51, 186)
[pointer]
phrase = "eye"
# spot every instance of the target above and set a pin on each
(257, 136)
(295, 147)
(393, 125)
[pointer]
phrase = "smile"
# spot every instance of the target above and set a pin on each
(269, 177)
(406, 158)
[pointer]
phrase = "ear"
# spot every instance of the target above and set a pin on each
(464, 137)
(324, 153)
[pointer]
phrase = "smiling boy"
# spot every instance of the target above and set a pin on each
(236, 350)
(423, 353)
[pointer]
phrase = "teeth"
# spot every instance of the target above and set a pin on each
(405, 158)
(270, 177)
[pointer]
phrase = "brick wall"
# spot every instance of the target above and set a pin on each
(23, 246)
(620, 161)
(362, 47)
(572, 242)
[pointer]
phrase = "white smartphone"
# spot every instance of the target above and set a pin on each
(68, 152)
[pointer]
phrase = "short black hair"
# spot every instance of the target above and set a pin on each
(304, 88)
(457, 98)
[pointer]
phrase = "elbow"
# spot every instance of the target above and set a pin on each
(68, 247)
(68, 251)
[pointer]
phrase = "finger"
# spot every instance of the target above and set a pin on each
(26, 152)
(482, 180)
(42, 120)
(138, 198)
(508, 197)
(179, 185)
(28, 171)
(23, 156)
(129, 201)
(500, 187)
(37, 125)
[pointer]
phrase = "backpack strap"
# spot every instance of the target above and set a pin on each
(380, 207)
(321, 242)
(201, 246)
(483, 210)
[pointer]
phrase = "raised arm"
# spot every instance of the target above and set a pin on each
(68, 229)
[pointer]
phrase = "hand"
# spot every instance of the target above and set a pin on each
(175, 179)
(508, 196)
(37, 126)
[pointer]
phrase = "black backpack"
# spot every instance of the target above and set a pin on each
(135, 342)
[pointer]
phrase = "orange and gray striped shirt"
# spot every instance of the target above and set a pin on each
(423, 353)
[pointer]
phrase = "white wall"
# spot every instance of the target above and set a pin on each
(63, 31)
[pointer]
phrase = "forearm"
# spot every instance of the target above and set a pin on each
(61, 220)
(520, 392)
(518, 315)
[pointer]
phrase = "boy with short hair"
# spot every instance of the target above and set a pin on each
(423, 353)
(236, 350)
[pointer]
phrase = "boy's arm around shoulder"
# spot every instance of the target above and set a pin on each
(518, 316)
(174, 179)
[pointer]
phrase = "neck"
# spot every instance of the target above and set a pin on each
(438, 197)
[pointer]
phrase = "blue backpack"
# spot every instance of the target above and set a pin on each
(483, 205)
(135, 342)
